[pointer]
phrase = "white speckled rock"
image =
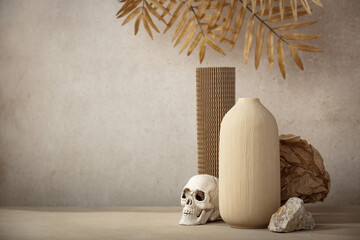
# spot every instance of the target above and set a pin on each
(291, 216)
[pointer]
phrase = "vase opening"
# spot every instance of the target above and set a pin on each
(248, 100)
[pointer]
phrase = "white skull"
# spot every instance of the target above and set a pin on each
(200, 200)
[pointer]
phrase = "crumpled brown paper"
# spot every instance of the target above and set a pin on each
(303, 174)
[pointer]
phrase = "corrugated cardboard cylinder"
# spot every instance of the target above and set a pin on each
(215, 95)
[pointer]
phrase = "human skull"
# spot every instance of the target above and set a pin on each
(200, 200)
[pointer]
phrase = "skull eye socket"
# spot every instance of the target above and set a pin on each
(185, 193)
(200, 196)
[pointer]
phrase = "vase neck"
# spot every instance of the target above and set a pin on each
(248, 101)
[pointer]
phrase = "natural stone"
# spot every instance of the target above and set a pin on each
(291, 216)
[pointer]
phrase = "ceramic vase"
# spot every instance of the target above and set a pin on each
(215, 95)
(249, 165)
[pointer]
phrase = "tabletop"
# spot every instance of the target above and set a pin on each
(332, 222)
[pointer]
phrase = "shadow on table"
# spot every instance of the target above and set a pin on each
(336, 218)
(97, 209)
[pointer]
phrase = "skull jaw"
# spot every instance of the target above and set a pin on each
(192, 219)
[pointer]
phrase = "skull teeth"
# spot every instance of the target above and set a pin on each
(188, 212)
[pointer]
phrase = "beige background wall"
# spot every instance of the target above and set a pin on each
(92, 115)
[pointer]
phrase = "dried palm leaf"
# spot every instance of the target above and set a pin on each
(202, 49)
(216, 28)
(281, 59)
(137, 23)
(126, 5)
(214, 46)
(130, 7)
(293, 4)
(270, 8)
(132, 15)
(208, 17)
(296, 57)
(319, 3)
(229, 17)
(215, 18)
(277, 10)
(270, 49)
(210, 6)
(248, 38)
(194, 43)
(149, 20)
(154, 12)
(290, 26)
(181, 23)
(281, 6)
(244, 4)
(262, 7)
(185, 30)
(169, 7)
(205, 25)
(160, 6)
(190, 2)
(259, 44)
(304, 47)
(217, 37)
(277, 18)
(216, 14)
(189, 37)
(146, 25)
(203, 7)
(253, 5)
(299, 36)
(237, 26)
(175, 16)
(306, 6)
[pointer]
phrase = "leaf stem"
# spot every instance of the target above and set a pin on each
(193, 11)
(263, 22)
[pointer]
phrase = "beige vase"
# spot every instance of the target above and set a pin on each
(249, 166)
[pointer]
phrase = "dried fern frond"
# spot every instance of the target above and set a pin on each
(306, 6)
(259, 44)
(270, 49)
(281, 58)
(154, 12)
(175, 15)
(181, 23)
(270, 7)
(189, 37)
(185, 30)
(194, 43)
(281, 6)
(293, 4)
(290, 26)
(275, 10)
(286, 16)
(202, 49)
(248, 38)
(213, 23)
(237, 27)
(319, 3)
(229, 16)
(306, 48)
(296, 57)
(214, 46)
(299, 36)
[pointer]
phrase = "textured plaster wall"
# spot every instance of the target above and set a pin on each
(92, 115)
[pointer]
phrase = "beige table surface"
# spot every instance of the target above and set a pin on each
(158, 223)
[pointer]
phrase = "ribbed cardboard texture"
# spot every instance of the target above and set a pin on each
(215, 95)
